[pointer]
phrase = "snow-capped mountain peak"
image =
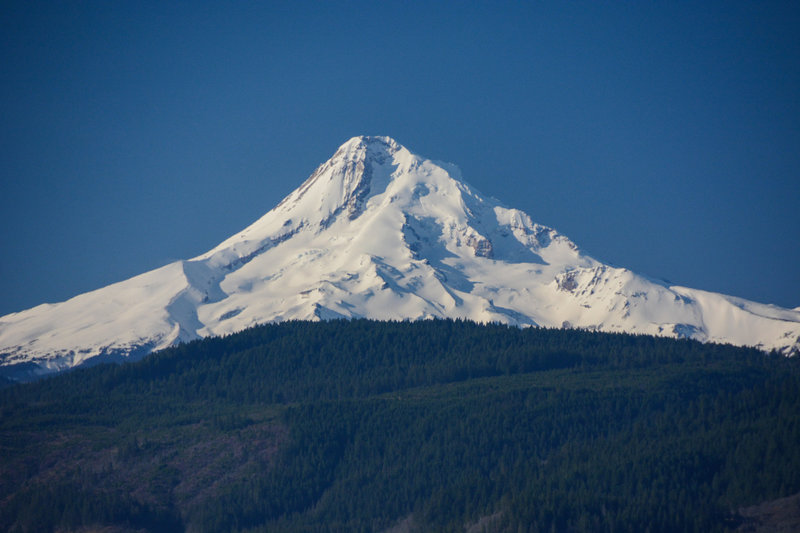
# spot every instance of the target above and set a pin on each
(379, 232)
(343, 182)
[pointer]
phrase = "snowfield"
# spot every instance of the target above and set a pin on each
(382, 233)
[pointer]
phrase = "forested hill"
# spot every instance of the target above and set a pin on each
(424, 426)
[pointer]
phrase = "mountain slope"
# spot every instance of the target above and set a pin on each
(379, 232)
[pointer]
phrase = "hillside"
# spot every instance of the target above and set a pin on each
(431, 425)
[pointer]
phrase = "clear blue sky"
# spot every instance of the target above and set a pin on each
(659, 136)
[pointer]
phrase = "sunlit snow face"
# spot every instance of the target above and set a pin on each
(380, 232)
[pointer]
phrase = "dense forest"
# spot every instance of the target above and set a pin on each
(405, 426)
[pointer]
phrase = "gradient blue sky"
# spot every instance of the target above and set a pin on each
(663, 137)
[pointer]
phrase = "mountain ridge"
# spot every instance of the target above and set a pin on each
(379, 232)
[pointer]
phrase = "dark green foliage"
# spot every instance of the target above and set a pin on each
(355, 426)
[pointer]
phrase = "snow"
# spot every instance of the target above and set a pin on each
(380, 232)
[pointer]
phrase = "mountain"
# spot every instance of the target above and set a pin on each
(382, 233)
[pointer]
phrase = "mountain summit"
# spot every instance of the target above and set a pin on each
(379, 232)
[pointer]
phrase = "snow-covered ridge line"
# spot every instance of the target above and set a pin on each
(379, 232)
